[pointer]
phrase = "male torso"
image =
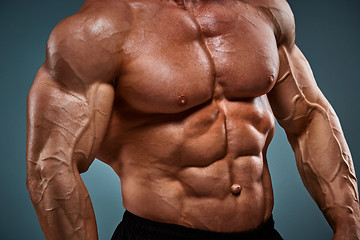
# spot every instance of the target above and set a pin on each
(175, 97)
(191, 120)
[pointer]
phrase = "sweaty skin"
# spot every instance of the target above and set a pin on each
(179, 98)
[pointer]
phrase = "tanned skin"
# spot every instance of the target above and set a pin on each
(179, 98)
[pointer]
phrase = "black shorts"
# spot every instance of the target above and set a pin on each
(133, 227)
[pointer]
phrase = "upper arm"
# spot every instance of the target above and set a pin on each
(70, 101)
(295, 96)
(64, 125)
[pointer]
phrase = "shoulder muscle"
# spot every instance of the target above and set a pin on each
(285, 21)
(87, 46)
(282, 17)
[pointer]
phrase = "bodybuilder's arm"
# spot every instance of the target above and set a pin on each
(69, 106)
(322, 155)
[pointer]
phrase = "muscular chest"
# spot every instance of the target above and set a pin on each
(242, 45)
(177, 59)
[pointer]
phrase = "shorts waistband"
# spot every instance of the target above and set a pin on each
(159, 230)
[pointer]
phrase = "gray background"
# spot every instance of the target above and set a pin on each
(328, 32)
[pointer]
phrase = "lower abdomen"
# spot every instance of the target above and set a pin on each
(202, 198)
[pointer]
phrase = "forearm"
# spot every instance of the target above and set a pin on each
(325, 165)
(62, 202)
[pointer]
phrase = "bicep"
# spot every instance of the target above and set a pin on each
(66, 125)
(296, 96)
(70, 102)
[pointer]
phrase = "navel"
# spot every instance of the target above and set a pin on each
(182, 100)
(236, 189)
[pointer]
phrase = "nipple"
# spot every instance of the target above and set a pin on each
(236, 189)
(182, 100)
(271, 78)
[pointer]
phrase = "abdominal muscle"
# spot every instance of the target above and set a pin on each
(181, 169)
